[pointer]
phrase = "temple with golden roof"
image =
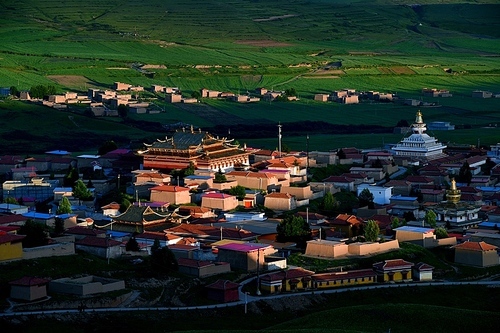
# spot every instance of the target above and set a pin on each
(199, 148)
(456, 213)
(419, 146)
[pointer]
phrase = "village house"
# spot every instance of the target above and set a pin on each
(223, 291)
(100, 246)
(28, 288)
(422, 272)
(479, 254)
(280, 201)
(344, 279)
(293, 279)
(393, 270)
(11, 246)
(202, 268)
(253, 180)
(175, 195)
(248, 257)
(220, 201)
(381, 194)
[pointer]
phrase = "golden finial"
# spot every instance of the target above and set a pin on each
(418, 118)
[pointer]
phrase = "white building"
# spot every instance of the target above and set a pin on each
(419, 145)
(381, 195)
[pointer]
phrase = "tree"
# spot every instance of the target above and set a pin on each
(430, 218)
(366, 198)
(196, 94)
(189, 170)
(441, 233)
(293, 229)
(291, 92)
(71, 177)
(14, 91)
(409, 216)
(122, 110)
(81, 191)
(329, 202)
(372, 231)
(238, 191)
(465, 173)
(403, 123)
(10, 200)
(106, 147)
(163, 260)
(395, 223)
(64, 206)
(341, 154)
(36, 234)
(58, 226)
(156, 245)
(132, 245)
(220, 177)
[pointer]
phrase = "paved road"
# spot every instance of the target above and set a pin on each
(250, 298)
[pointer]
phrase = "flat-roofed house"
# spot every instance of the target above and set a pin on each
(280, 201)
(476, 254)
(11, 246)
(247, 256)
(28, 288)
(220, 201)
(176, 195)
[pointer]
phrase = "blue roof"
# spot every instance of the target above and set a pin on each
(414, 229)
(117, 233)
(40, 216)
(197, 177)
(66, 216)
(403, 198)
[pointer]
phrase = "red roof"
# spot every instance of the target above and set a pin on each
(14, 218)
(335, 276)
(9, 228)
(279, 195)
(193, 262)
(84, 231)
(475, 246)
(29, 281)
(223, 285)
(293, 273)
(217, 196)
(421, 266)
(393, 264)
(10, 238)
(345, 219)
(169, 188)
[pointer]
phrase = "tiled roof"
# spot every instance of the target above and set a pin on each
(338, 179)
(112, 205)
(84, 231)
(9, 228)
(169, 188)
(335, 276)
(393, 264)
(419, 179)
(279, 195)
(97, 242)
(345, 219)
(10, 238)
(193, 262)
(244, 247)
(14, 218)
(223, 285)
(293, 273)
(475, 246)
(217, 196)
(29, 281)
(140, 214)
(182, 247)
(421, 266)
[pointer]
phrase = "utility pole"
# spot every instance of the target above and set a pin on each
(279, 139)
(307, 157)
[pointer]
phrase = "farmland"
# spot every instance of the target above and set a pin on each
(388, 46)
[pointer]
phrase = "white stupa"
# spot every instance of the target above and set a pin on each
(419, 145)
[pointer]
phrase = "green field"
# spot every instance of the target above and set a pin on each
(388, 46)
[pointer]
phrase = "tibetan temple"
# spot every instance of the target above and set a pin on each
(456, 213)
(419, 145)
(200, 148)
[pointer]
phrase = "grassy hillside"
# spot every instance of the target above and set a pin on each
(390, 46)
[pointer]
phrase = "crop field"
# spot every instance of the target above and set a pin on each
(388, 46)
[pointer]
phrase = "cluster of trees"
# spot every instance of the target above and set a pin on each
(40, 91)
